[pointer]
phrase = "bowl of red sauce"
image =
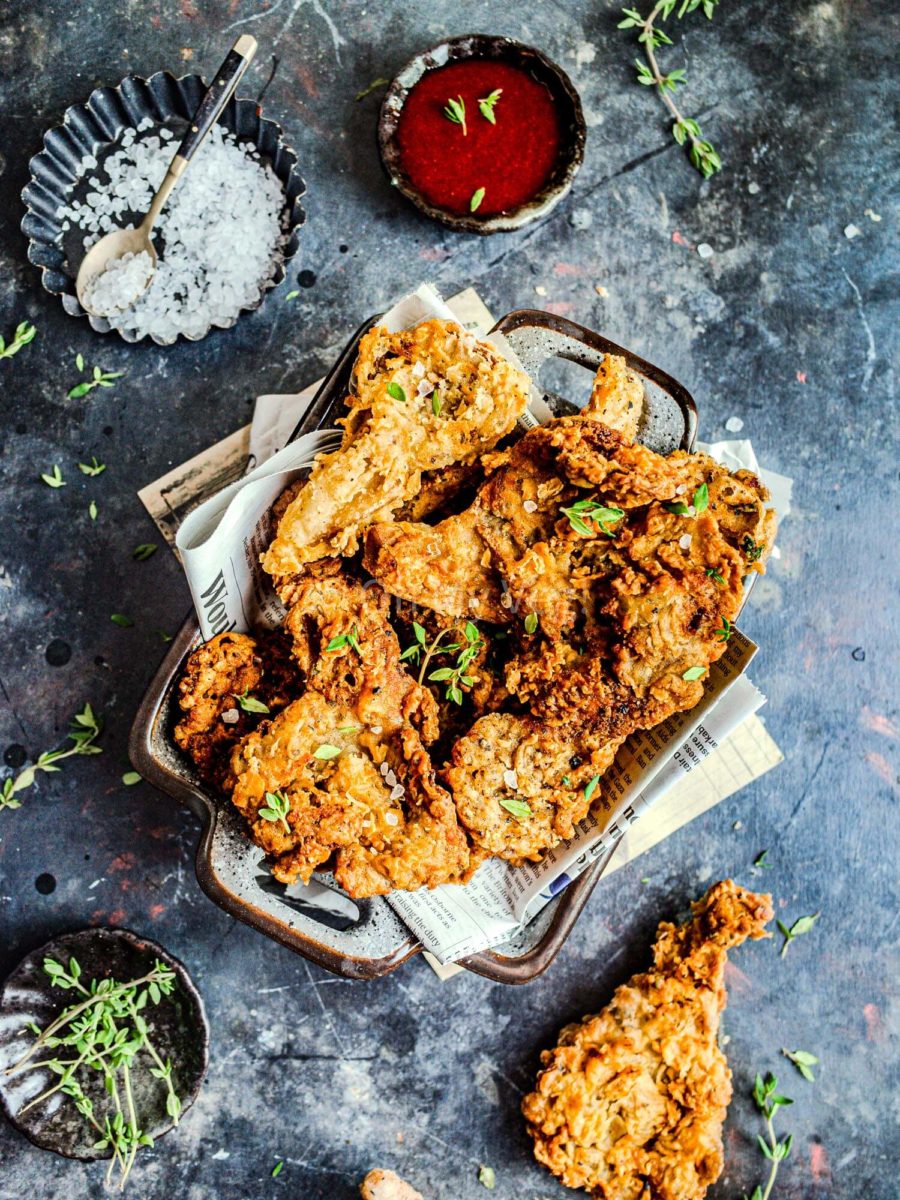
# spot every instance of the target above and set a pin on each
(481, 133)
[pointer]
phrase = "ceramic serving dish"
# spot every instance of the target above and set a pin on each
(483, 46)
(365, 939)
(93, 128)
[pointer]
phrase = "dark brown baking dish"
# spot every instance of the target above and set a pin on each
(366, 939)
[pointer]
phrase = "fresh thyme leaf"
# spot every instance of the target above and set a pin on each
(382, 81)
(419, 631)
(531, 622)
(292, 295)
(54, 478)
(92, 510)
(768, 1101)
(678, 507)
(103, 1031)
(250, 703)
(800, 926)
(645, 879)
(92, 468)
(349, 728)
(277, 808)
(79, 363)
(396, 392)
(85, 730)
(803, 1061)
(455, 111)
(714, 574)
(326, 751)
(590, 509)
(487, 104)
(130, 778)
(351, 639)
(477, 197)
(701, 498)
(277, 1169)
(591, 787)
(487, 1177)
(435, 403)
(751, 549)
(99, 378)
(518, 808)
(693, 673)
(24, 334)
(650, 37)
(121, 619)
(724, 633)
(567, 780)
(761, 861)
(144, 551)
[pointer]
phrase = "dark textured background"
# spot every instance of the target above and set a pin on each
(788, 326)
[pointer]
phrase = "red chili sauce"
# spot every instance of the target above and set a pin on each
(511, 160)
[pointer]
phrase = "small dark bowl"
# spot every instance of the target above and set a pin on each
(178, 1025)
(485, 46)
(94, 128)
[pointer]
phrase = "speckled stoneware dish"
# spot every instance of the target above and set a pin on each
(364, 939)
(485, 46)
(178, 1027)
(94, 128)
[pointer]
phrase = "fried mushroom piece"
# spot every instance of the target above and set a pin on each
(519, 785)
(385, 1185)
(420, 400)
(630, 1103)
(217, 673)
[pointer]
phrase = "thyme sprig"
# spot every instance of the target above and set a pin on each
(86, 728)
(487, 104)
(768, 1101)
(99, 378)
(800, 926)
(103, 1031)
(24, 334)
(276, 809)
(455, 111)
(422, 651)
(602, 515)
(803, 1061)
(685, 130)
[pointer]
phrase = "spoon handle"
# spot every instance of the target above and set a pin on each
(208, 112)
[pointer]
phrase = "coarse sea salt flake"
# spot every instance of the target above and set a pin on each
(685, 541)
(734, 424)
(391, 818)
(511, 779)
(396, 791)
(530, 506)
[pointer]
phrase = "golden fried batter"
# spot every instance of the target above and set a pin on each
(519, 785)
(631, 1102)
(216, 674)
(617, 397)
(420, 400)
(385, 1185)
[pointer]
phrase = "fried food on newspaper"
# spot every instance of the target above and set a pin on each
(421, 399)
(630, 1103)
(229, 684)
(385, 1185)
(344, 770)
(521, 786)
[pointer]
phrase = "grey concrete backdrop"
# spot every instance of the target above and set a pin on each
(787, 325)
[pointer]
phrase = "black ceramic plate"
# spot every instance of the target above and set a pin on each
(177, 1025)
(93, 129)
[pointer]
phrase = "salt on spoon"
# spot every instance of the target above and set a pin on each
(120, 266)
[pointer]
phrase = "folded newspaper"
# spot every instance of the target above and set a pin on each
(220, 542)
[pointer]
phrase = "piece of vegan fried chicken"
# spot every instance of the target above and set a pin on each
(630, 1104)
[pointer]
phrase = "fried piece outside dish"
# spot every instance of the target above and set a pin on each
(217, 673)
(451, 397)
(385, 1185)
(630, 1104)
(519, 785)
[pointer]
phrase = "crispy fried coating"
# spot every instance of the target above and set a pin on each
(385, 1185)
(631, 1102)
(217, 672)
(451, 397)
(519, 785)
(617, 397)
(348, 758)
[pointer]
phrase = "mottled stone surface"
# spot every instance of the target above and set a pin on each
(787, 325)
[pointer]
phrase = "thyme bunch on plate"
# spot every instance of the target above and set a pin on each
(102, 1032)
(685, 130)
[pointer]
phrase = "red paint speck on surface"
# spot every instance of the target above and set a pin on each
(122, 862)
(818, 1163)
(562, 268)
(881, 767)
(434, 253)
(117, 916)
(156, 910)
(512, 159)
(801, 377)
(189, 9)
(679, 240)
(736, 981)
(877, 723)
(874, 1023)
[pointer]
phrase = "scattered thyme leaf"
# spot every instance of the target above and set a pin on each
(250, 703)
(751, 549)
(130, 778)
(455, 111)
(800, 926)
(277, 1169)
(54, 478)
(292, 295)
(83, 734)
(477, 197)
(678, 508)
(602, 515)
(79, 363)
(382, 81)
(724, 633)
(701, 498)
(761, 861)
(24, 334)
(92, 510)
(487, 104)
(396, 392)
(350, 638)
(531, 622)
(435, 403)
(99, 378)
(121, 619)
(326, 751)
(803, 1061)
(144, 551)
(93, 467)
(518, 808)
(693, 673)
(276, 810)
(714, 574)
(567, 780)
(487, 1177)
(591, 787)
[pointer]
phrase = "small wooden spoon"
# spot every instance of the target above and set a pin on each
(137, 241)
